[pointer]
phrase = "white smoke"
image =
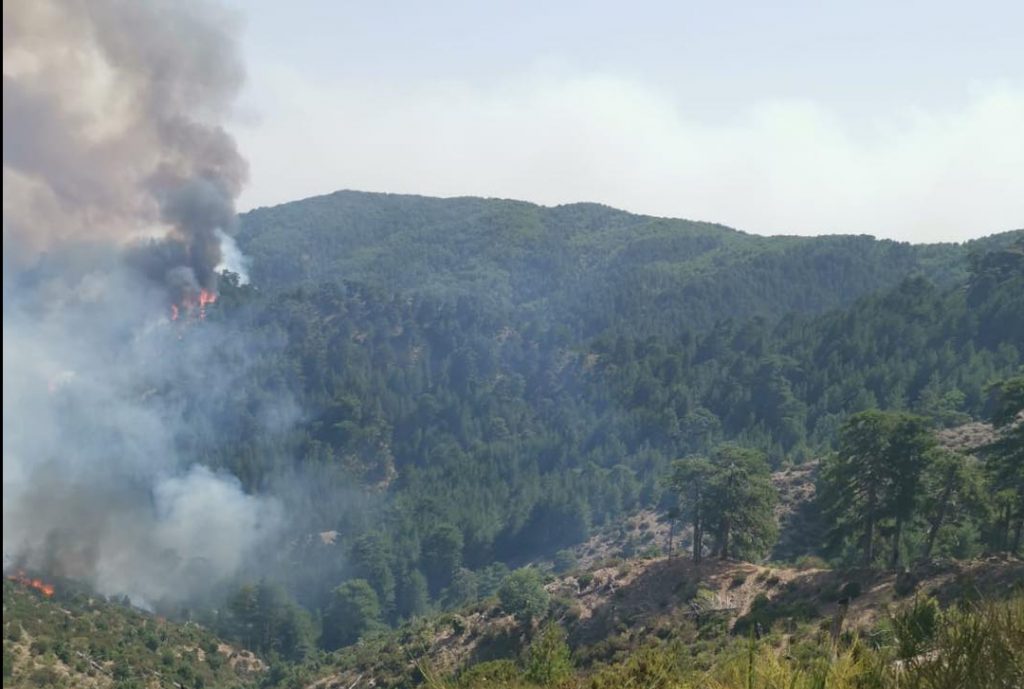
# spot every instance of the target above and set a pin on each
(232, 259)
(110, 130)
(98, 392)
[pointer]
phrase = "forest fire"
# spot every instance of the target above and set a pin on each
(194, 305)
(32, 583)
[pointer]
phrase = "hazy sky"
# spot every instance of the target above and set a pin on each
(898, 119)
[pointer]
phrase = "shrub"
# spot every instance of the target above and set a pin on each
(685, 589)
(905, 584)
(806, 562)
(565, 560)
(522, 594)
(987, 642)
(458, 625)
(850, 590)
(44, 677)
(914, 627)
(764, 612)
(488, 674)
(564, 607)
(548, 659)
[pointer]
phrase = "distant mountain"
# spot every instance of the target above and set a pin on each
(583, 265)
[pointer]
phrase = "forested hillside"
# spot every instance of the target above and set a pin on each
(390, 441)
(441, 390)
(585, 266)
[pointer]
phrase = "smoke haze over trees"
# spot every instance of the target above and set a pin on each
(413, 398)
(118, 192)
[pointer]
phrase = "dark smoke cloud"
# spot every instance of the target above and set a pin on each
(119, 188)
(111, 127)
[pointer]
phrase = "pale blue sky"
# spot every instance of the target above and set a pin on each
(895, 119)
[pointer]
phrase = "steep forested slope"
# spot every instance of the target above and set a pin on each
(436, 432)
(438, 391)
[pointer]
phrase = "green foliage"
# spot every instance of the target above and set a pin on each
(463, 590)
(444, 427)
(523, 594)
(565, 560)
(851, 590)
(449, 386)
(876, 474)
(976, 646)
(265, 619)
(807, 562)
(442, 554)
(649, 668)
(1005, 465)
(765, 612)
(730, 496)
(548, 660)
(585, 265)
(76, 640)
(371, 560)
(354, 610)
(954, 496)
(490, 673)
(914, 627)
(413, 598)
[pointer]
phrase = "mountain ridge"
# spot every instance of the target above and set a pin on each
(582, 265)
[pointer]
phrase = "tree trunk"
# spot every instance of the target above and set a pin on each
(1004, 529)
(936, 524)
(725, 540)
(1015, 548)
(894, 560)
(698, 529)
(869, 535)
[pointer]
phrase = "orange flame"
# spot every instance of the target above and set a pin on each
(205, 297)
(37, 584)
(191, 305)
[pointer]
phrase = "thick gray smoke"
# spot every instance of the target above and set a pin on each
(118, 195)
(111, 130)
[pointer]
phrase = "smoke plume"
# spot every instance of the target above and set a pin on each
(111, 131)
(119, 187)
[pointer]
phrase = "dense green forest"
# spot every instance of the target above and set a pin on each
(585, 267)
(444, 393)
(448, 389)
